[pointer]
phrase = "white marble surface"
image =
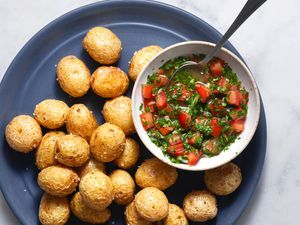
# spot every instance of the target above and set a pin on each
(269, 42)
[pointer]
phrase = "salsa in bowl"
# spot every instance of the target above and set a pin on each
(193, 125)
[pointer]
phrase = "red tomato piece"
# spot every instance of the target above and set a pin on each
(185, 94)
(234, 113)
(164, 130)
(161, 80)
(234, 98)
(147, 120)
(175, 139)
(147, 91)
(161, 100)
(193, 157)
(237, 125)
(149, 104)
(216, 67)
(216, 108)
(176, 150)
(161, 71)
(215, 127)
(193, 139)
(203, 91)
(184, 119)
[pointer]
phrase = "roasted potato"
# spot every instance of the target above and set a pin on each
(23, 133)
(81, 121)
(90, 166)
(200, 206)
(118, 112)
(223, 180)
(151, 204)
(96, 190)
(124, 186)
(58, 181)
(86, 214)
(73, 76)
(109, 82)
(51, 113)
(176, 216)
(45, 153)
(133, 218)
(102, 45)
(155, 173)
(140, 59)
(72, 150)
(130, 154)
(107, 142)
(54, 210)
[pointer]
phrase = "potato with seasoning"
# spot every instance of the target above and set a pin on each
(23, 133)
(118, 112)
(58, 181)
(130, 154)
(96, 190)
(200, 206)
(155, 173)
(45, 153)
(133, 218)
(51, 113)
(73, 76)
(81, 121)
(90, 166)
(86, 214)
(54, 210)
(109, 82)
(102, 45)
(176, 216)
(107, 142)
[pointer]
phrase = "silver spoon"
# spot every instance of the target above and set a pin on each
(196, 69)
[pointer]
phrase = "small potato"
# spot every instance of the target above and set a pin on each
(81, 121)
(200, 206)
(223, 180)
(45, 153)
(151, 204)
(107, 142)
(51, 113)
(90, 166)
(58, 181)
(155, 173)
(54, 210)
(176, 216)
(130, 154)
(109, 82)
(72, 150)
(73, 76)
(86, 214)
(133, 218)
(118, 112)
(140, 59)
(96, 190)
(124, 186)
(102, 45)
(23, 133)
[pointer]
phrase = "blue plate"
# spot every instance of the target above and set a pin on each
(31, 78)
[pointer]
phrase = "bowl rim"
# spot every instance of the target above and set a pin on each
(186, 166)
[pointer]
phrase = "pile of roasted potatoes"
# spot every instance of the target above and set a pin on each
(72, 165)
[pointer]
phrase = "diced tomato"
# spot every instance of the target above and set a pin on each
(164, 130)
(216, 108)
(176, 150)
(215, 127)
(234, 98)
(160, 81)
(175, 139)
(185, 94)
(161, 71)
(168, 108)
(234, 113)
(237, 125)
(203, 91)
(233, 88)
(161, 100)
(147, 120)
(193, 139)
(211, 147)
(147, 91)
(184, 119)
(216, 66)
(149, 105)
(193, 157)
(244, 98)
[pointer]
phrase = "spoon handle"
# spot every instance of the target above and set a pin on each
(248, 9)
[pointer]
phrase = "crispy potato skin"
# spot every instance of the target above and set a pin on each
(124, 186)
(200, 206)
(107, 142)
(118, 112)
(130, 154)
(176, 216)
(23, 133)
(86, 214)
(96, 190)
(90, 166)
(223, 180)
(151, 204)
(102, 45)
(58, 181)
(72, 150)
(155, 173)
(73, 76)
(45, 153)
(140, 59)
(109, 82)
(133, 218)
(54, 210)
(51, 113)
(81, 121)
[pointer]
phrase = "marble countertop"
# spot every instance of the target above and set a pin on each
(268, 41)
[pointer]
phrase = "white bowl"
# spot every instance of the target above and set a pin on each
(243, 73)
